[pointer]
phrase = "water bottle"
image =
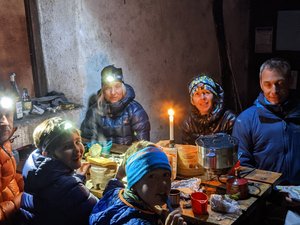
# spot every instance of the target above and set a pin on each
(18, 109)
(26, 101)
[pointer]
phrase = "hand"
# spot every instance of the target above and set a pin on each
(83, 168)
(121, 171)
(291, 203)
(175, 218)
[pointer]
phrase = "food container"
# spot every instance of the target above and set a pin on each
(187, 163)
(217, 151)
(172, 157)
(97, 148)
(100, 176)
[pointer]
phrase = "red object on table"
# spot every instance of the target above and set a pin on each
(234, 168)
(199, 203)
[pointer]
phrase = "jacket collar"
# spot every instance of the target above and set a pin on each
(288, 110)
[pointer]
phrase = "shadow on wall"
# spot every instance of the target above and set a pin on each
(93, 67)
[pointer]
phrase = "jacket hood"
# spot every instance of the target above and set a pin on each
(289, 108)
(217, 112)
(41, 171)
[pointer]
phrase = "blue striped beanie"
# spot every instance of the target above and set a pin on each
(203, 81)
(144, 161)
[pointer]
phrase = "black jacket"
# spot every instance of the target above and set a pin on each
(219, 120)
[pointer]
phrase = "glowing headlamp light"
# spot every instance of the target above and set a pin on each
(55, 136)
(110, 78)
(67, 125)
(111, 74)
(6, 103)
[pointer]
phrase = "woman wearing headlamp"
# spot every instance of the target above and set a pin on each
(11, 183)
(115, 115)
(208, 114)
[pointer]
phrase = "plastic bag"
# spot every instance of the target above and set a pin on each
(187, 186)
(224, 204)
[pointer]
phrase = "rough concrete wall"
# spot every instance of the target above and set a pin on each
(26, 127)
(160, 45)
(60, 44)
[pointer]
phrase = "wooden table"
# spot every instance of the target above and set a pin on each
(260, 184)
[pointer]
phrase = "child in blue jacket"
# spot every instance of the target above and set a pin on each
(148, 185)
(54, 177)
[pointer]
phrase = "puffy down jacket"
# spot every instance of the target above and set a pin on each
(219, 120)
(11, 185)
(122, 122)
(54, 194)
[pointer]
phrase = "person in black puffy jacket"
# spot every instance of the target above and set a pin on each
(54, 177)
(208, 115)
(115, 115)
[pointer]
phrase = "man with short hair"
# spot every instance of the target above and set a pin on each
(269, 131)
(11, 183)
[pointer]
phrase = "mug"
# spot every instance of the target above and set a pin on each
(174, 197)
(199, 203)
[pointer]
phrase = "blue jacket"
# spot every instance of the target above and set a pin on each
(122, 122)
(269, 138)
(115, 211)
(53, 193)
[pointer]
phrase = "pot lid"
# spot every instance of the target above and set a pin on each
(218, 140)
(239, 181)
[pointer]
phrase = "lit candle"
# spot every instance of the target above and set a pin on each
(171, 120)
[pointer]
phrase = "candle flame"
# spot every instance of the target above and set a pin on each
(171, 112)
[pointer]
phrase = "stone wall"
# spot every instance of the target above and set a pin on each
(159, 44)
(26, 126)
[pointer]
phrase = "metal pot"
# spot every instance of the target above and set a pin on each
(217, 151)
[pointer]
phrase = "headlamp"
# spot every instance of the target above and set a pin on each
(110, 78)
(60, 132)
(6, 102)
(111, 74)
(113, 77)
(67, 125)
